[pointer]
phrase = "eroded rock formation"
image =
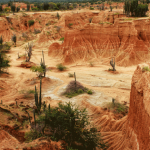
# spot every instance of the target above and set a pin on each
(108, 35)
(132, 131)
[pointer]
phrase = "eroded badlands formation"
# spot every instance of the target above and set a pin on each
(132, 131)
(108, 35)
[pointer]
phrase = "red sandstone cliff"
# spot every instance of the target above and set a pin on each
(106, 36)
(132, 131)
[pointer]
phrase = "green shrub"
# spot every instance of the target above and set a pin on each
(80, 91)
(68, 123)
(38, 69)
(61, 39)
(145, 69)
(117, 108)
(91, 8)
(70, 24)
(61, 67)
(70, 74)
(7, 9)
(30, 22)
(31, 135)
(89, 92)
(35, 9)
(4, 62)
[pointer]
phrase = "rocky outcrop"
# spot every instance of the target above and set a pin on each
(132, 131)
(107, 36)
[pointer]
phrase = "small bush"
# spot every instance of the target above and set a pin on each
(80, 91)
(91, 8)
(145, 69)
(70, 74)
(61, 39)
(89, 92)
(61, 67)
(30, 22)
(35, 9)
(70, 24)
(117, 108)
(30, 136)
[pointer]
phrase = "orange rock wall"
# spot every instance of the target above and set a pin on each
(127, 40)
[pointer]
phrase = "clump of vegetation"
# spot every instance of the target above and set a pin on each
(40, 70)
(117, 108)
(70, 24)
(91, 8)
(75, 88)
(61, 39)
(30, 22)
(14, 39)
(146, 68)
(61, 67)
(27, 94)
(58, 16)
(70, 74)
(4, 62)
(135, 8)
(73, 130)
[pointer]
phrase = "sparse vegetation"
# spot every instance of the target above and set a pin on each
(91, 8)
(146, 68)
(72, 130)
(70, 24)
(61, 67)
(36, 31)
(70, 74)
(117, 107)
(30, 23)
(75, 88)
(4, 62)
(61, 39)
(14, 39)
(27, 94)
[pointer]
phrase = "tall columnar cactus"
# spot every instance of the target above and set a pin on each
(40, 98)
(112, 63)
(75, 81)
(38, 103)
(1, 102)
(34, 118)
(49, 108)
(36, 97)
(43, 64)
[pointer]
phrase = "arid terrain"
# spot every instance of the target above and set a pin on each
(86, 50)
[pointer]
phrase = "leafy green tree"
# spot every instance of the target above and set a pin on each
(1, 9)
(28, 7)
(14, 39)
(4, 62)
(45, 6)
(13, 8)
(68, 123)
(136, 9)
(18, 9)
